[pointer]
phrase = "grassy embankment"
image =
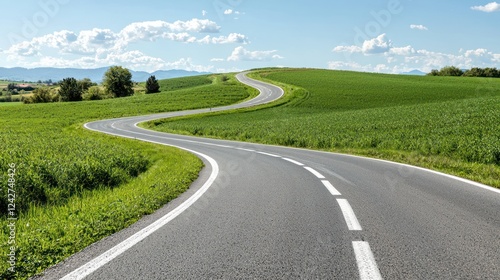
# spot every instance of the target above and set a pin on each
(74, 187)
(451, 124)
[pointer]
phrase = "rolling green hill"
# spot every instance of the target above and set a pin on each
(450, 124)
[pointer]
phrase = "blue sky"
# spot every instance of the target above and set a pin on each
(390, 36)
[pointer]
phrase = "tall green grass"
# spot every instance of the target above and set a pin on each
(75, 186)
(445, 123)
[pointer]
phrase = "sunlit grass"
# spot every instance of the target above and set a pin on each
(445, 123)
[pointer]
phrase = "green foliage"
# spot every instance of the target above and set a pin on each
(95, 93)
(450, 71)
(152, 85)
(473, 72)
(42, 95)
(70, 90)
(48, 235)
(455, 122)
(85, 84)
(118, 82)
(485, 73)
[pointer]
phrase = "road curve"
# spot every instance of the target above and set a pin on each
(269, 212)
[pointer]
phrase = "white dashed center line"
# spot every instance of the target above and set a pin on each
(367, 266)
(349, 216)
(315, 173)
(330, 187)
(294, 162)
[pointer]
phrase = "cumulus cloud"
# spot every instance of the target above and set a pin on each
(402, 51)
(397, 59)
(187, 64)
(419, 27)
(103, 47)
(377, 45)
(231, 38)
(95, 40)
(152, 30)
(195, 25)
(242, 54)
(488, 8)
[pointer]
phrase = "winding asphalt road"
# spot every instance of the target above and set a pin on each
(268, 212)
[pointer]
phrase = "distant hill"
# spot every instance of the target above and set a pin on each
(57, 74)
(415, 73)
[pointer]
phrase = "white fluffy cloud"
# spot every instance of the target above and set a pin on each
(187, 64)
(103, 47)
(95, 40)
(488, 8)
(231, 12)
(401, 59)
(231, 38)
(242, 54)
(418, 27)
(376, 45)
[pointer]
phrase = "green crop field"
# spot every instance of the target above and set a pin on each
(450, 124)
(73, 186)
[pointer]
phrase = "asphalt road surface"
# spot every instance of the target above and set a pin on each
(268, 212)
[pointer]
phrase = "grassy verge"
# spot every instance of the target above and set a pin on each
(48, 235)
(73, 184)
(443, 123)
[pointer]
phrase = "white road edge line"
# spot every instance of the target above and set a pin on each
(349, 216)
(330, 187)
(114, 252)
(453, 177)
(293, 161)
(315, 173)
(367, 266)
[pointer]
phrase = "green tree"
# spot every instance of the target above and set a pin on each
(474, 72)
(491, 73)
(85, 84)
(118, 81)
(434, 72)
(70, 90)
(11, 87)
(450, 71)
(152, 85)
(41, 95)
(94, 93)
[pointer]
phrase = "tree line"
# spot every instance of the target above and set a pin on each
(473, 72)
(117, 82)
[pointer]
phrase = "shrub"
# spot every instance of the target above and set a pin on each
(95, 93)
(41, 95)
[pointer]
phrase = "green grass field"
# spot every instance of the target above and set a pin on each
(450, 124)
(73, 186)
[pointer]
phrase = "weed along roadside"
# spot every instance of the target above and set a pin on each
(74, 187)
